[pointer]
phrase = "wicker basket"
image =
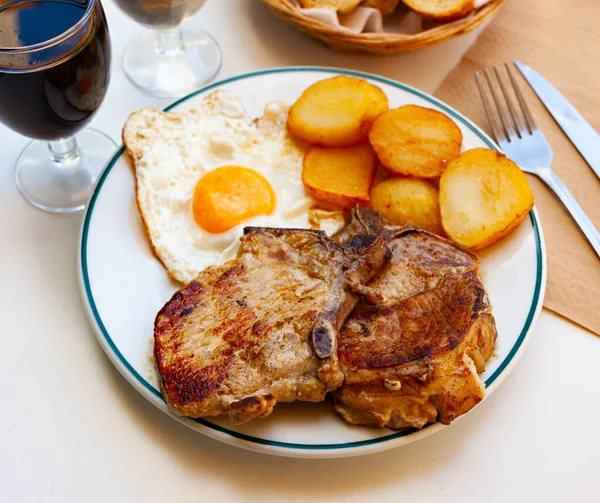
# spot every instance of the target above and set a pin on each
(381, 43)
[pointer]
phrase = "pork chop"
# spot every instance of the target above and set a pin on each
(262, 328)
(413, 355)
(419, 259)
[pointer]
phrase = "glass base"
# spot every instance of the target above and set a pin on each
(172, 64)
(65, 185)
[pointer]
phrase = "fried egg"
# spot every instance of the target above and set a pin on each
(205, 174)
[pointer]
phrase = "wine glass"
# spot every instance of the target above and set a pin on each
(54, 73)
(169, 61)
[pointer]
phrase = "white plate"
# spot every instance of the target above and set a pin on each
(123, 286)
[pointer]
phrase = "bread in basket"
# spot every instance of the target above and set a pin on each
(383, 43)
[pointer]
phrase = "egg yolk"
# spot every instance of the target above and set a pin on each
(230, 195)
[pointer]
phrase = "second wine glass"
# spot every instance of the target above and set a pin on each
(169, 61)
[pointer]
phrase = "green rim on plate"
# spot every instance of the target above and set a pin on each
(90, 298)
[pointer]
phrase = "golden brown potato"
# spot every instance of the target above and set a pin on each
(342, 6)
(336, 112)
(415, 141)
(442, 10)
(404, 201)
(340, 176)
(483, 197)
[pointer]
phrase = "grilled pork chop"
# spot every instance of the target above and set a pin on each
(419, 259)
(413, 355)
(262, 328)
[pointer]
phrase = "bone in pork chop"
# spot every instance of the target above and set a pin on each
(262, 328)
(413, 355)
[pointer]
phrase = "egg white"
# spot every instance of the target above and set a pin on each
(172, 152)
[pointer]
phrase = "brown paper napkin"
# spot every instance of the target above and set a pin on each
(560, 41)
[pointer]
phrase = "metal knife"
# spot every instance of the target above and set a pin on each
(578, 130)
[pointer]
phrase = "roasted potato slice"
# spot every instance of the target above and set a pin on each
(340, 176)
(483, 197)
(415, 141)
(403, 201)
(336, 112)
(442, 10)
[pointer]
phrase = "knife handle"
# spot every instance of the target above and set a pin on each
(563, 193)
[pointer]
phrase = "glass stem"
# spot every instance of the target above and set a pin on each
(64, 152)
(169, 43)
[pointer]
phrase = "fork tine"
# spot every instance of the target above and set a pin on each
(516, 120)
(508, 130)
(487, 107)
(531, 125)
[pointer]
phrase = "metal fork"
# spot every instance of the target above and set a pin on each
(519, 137)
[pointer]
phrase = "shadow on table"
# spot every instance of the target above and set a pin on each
(274, 42)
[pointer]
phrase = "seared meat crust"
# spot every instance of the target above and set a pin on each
(413, 355)
(417, 361)
(262, 328)
(419, 259)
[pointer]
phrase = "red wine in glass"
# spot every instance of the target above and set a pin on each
(54, 74)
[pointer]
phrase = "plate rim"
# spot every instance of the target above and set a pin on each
(289, 448)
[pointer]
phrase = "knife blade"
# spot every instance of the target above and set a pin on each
(578, 130)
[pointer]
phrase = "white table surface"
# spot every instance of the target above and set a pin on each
(73, 430)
